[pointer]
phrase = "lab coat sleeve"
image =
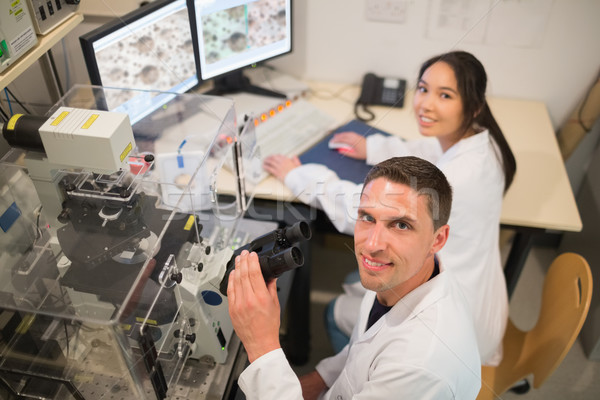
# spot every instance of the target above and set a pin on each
(380, 148)
(270, 377)
(330, 368)
(320, 187)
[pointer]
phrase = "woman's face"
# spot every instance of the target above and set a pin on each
(438, 105)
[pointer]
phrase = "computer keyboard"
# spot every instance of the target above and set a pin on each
(291, 131)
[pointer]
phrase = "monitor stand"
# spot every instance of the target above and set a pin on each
(235, 82)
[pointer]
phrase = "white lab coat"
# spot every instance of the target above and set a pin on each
(472, 252)
(423, 348)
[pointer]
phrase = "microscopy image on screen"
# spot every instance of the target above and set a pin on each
(157, 56)
(243, 28)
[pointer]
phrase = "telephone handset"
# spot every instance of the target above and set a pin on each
(379, 91)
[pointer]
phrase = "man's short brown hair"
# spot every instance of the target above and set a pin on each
(423, 177)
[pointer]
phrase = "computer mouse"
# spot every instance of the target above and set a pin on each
(340, 146)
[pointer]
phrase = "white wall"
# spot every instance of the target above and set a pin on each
(340, 44)
(335, 42)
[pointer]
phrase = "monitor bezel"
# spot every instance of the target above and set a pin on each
(196, 46)
(87, 40)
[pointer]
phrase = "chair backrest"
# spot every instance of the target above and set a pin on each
(565, 303)
(566, 298)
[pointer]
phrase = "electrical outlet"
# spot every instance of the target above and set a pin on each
(386, 10)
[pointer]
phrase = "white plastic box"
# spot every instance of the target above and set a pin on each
(92, 139)
(17, 34)
(47, 15)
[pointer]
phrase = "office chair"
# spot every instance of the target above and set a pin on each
(566, 299)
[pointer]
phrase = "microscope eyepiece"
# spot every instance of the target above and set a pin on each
(273, 266)
(277, 252)
(297, 232)
(296, 257)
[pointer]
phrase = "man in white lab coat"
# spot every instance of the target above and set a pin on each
(414, 338)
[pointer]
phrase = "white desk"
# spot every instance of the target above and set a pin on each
(540, 197)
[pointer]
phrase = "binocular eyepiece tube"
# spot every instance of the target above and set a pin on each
(273, 266)
(277, 252)
(297, 232)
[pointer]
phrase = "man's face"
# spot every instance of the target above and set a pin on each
(394, 239)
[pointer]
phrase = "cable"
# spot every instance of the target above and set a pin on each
(8, 100)
(363, 106)
(17, 100)
(37, 224)
(327, 95)
(59, 86)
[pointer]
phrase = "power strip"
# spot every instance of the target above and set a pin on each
(48, 14)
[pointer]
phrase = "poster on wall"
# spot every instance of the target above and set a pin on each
(461, 21)
(515, 23)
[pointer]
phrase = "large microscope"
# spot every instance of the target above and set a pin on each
(106, 286)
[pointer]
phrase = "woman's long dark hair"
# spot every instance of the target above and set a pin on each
(472, 82)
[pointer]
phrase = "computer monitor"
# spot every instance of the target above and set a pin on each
(149, 48)
(233, 34)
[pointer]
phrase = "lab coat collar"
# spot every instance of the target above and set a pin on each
(471, 143)
(410, 306)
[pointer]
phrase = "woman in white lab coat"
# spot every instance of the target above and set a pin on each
(463, 139)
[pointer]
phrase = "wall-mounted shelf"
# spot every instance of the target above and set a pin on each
(45, 43)
(108, 9)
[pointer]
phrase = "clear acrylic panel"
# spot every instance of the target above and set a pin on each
(109, 282)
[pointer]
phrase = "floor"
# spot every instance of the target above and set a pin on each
(577, 378)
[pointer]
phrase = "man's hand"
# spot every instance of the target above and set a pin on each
(253, 306)
(279, 165)
(312, 385)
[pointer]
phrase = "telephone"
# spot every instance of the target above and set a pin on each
(379, 91)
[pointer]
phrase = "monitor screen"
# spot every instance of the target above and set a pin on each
(149, 48)
(233, 34)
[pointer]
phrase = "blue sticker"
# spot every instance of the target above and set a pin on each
(211, 298)
(8, 218)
